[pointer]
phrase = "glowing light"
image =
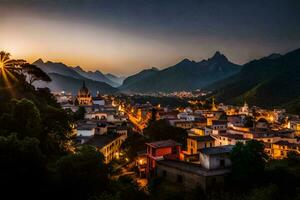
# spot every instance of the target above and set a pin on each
(141, 161)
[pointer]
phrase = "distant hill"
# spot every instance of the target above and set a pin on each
(185, 75)
(131, 82)
(96, 76)
(70, 79)
(272, 81)
(65, 83)
(117, 79)
(58, 68)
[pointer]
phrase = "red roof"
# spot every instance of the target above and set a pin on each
(163, 143)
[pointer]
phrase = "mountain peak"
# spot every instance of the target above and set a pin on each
(186, 61)
(274, 56)
(218, 57)
(39, 61)
(78, 68)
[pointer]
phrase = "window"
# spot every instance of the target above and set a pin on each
(179, 179)
(222, 163)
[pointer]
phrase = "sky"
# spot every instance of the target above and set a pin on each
(126, 36)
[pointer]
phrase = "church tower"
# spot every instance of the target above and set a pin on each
(84, 97)
(213, 106)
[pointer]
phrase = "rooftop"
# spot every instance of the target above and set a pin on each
(163, 143)
(219, 122)
(233, 136)
(192, 168)
(100, 141)
(204, 138)
(286, 143)
(86, 126)
(217, 150)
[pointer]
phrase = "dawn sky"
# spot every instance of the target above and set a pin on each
(124, 37)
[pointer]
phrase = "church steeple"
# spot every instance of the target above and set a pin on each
(213, 106)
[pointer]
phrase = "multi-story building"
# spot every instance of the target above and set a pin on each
(281, 148)
(195, 143)
(158, 150)
(108, 144)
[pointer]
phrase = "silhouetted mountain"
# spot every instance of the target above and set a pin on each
(96, 76)
(272, 81)
(186, 75)
(65, 83)
(117, 79)
(59, 68)
(131, 83)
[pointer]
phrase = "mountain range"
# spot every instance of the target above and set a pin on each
(272, 81)
(66, 78)
(185, 75)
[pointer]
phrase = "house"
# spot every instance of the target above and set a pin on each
(215, 157)
(98, 100)
(183, 124)
(295, 125)
(157, 150)
(220, 125)
(198, 131)
(191, 176)
(229, 139)
(195, 143)
(280, 149)
(108, 144)
(86, 129)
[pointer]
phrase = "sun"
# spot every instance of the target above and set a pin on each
(1, 65)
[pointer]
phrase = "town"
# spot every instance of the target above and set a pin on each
(150, 100)
(202, 158)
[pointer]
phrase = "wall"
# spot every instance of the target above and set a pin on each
(85, 132)
(190, 180)
(213, 161)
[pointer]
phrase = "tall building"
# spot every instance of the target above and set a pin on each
(84, 97)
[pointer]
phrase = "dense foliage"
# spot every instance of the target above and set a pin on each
(37, 157)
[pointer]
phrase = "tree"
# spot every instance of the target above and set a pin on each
(22, 166)
(26, 119)
(57, 130)
(35, 74)
(162, 130)
(248, 162)
(85, 170)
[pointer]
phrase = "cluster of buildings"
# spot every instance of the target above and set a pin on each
(211, 136)
(212, 133)
(102, 126)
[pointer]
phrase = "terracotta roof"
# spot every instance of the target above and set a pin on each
(163, 143)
